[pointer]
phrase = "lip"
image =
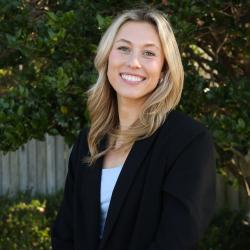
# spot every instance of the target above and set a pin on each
(132, 74)
(132, 83)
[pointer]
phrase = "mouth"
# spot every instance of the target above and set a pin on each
(132, 78)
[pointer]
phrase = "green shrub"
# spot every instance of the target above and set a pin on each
(25, 222)
(228, 231)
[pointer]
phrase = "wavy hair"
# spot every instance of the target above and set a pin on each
(102, 100)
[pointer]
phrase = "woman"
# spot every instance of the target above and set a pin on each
(143, 176)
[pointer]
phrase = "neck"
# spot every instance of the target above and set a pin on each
(129, 111)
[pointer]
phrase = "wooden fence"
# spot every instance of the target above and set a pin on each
(38, 166)
(41, 167)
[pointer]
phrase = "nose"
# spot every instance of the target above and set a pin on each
(133, 61)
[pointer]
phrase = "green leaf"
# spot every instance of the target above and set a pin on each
(20, 110)
(241, 123)
(100, 20)
(52, 16)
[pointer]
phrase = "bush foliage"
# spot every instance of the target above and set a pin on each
(25, 221)
(46, 64)
(228, 231)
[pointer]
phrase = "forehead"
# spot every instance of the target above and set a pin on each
(142, 32)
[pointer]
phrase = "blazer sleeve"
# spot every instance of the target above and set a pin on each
(62, 229)
(188, 197)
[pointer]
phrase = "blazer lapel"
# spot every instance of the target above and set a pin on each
(128, 173)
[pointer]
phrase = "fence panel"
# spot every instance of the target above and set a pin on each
(38, 166)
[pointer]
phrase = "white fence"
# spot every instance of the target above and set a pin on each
(41, 167)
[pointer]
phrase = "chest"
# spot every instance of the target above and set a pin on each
(114, 158)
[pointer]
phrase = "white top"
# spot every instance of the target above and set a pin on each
(108, 181)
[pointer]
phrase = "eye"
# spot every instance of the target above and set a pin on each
(123, 48)
(149, 53)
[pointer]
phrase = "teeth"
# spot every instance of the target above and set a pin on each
(132, 78)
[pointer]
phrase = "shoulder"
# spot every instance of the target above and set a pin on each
(80, 147)
(179, 120)
(180, 125)
(180, 131)
(83, 135)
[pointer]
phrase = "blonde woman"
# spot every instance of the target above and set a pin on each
(142, 177)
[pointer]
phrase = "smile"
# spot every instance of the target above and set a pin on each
(132, 78)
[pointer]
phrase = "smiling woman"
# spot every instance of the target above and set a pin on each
(142, 177)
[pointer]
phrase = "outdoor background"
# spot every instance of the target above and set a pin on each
(46, 65)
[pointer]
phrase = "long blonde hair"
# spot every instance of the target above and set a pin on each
(102, 101)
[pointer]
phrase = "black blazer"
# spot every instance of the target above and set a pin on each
(164, 197)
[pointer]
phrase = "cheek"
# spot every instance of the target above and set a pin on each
(114, 59)
(112, 66)
(155, 69)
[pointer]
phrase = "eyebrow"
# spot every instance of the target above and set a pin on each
(145, 45)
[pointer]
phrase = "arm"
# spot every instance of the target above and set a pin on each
(62, 229)
(188, 197)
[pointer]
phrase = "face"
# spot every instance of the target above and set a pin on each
(135, 61)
